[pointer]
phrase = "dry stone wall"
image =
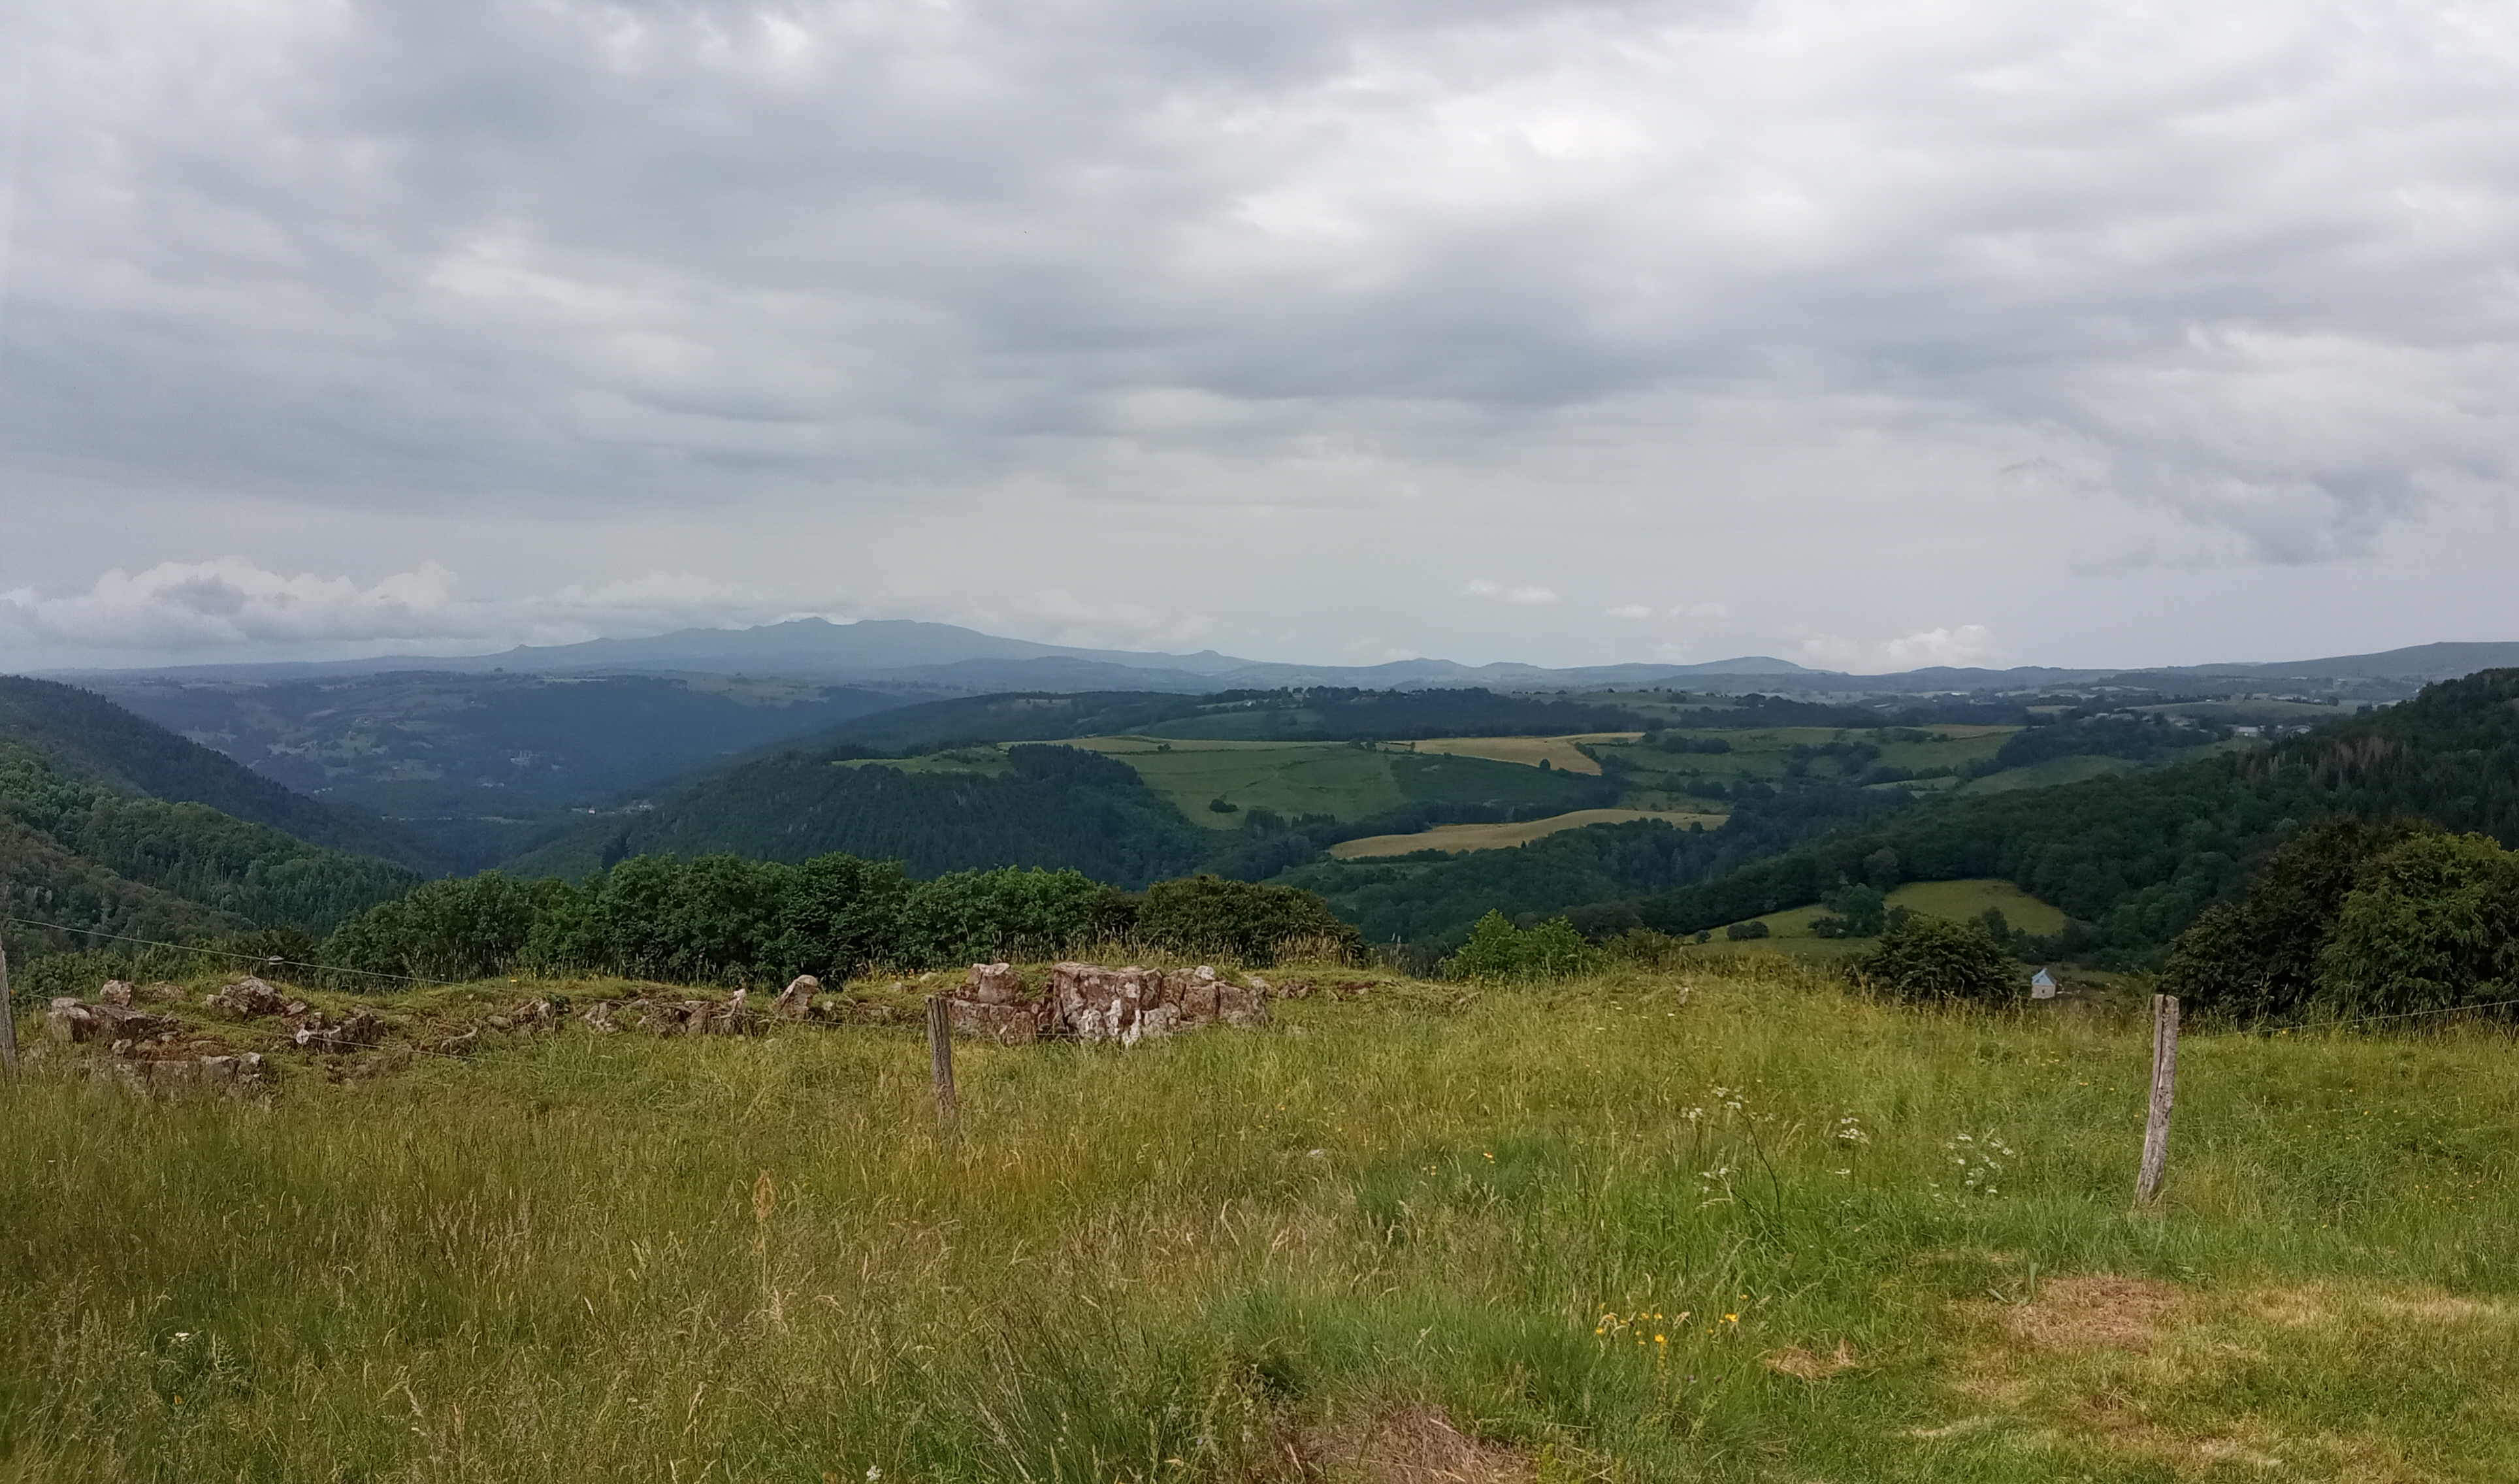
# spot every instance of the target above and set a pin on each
(1094, 1004)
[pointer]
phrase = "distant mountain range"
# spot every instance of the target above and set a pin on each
(943, 657)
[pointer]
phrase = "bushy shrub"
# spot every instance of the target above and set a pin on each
(2430, 924)
(1743, 931)
(1243, 921)
(37, 981)
(1921, 957)
(443, 930)
(1499, 952)
(1859, 910)
(1013, 912)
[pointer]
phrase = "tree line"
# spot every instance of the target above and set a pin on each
(726, 920)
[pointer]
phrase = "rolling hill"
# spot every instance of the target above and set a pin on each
(2135, 858)
(85, 736)
(114, 825)
(476, 767)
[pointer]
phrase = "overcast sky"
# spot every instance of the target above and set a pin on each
(1867, 334)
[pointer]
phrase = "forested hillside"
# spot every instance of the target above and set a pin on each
(83, 735)
(81, 854)
(2136, 858)
(476, 767)
(1054, 807)
(1433, 899)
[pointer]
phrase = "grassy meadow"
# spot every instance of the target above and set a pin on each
(1344, 780)
(1960, 901)
(1735, 1225)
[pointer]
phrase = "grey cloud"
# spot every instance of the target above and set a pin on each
(2248, 275)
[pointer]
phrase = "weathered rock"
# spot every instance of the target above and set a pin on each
(115, 992)
(1007, 1025)
(68, 1022)
(796, 1001)
(360, 1028)
(1096, 1004)
(244, 1068)
(728, 1017)
(993, 985)
(598, 1018)
(1241, 1005)
(249, 997)
(161, 1073)
(1099, 1004)
(163, 993)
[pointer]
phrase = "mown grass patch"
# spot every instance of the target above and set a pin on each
(1731, 1226)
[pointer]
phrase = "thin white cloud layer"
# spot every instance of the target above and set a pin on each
(1961, 644)
(199, 609)
(1527, 594)
(1853, 302)
(205, 611)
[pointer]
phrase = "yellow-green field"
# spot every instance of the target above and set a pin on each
(1489, 837)
(1556, 752)
(1739, 1225)
(1959, 900)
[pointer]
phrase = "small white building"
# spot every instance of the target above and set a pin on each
(2042, 986)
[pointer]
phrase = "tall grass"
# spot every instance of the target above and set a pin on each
(1589, 1222)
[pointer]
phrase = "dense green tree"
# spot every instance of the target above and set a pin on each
(1923, 957)
(1859, 910)
(841, 914)
(1243, 921)
(2430, 924)
(1497, 951)
(443, 930)
(979, 916)
(2257, 955)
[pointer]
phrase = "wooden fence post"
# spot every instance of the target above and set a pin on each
(2164, 1090)
(8, 1018)
(940, 1058)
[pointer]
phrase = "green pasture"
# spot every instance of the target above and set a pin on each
(1764, 753)
(2050, 773)
(1341, 779)
(1959, 900)
(1731, 1223)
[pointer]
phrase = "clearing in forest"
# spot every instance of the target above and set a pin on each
(1963, 900)
(1344, 780)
